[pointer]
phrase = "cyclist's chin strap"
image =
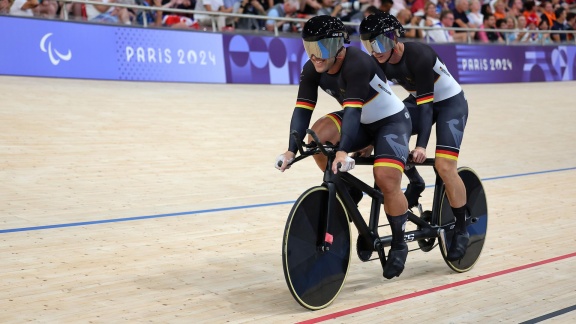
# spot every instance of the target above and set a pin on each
(338, 53)
(389, 57)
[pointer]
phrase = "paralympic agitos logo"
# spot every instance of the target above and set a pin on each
(54, 55)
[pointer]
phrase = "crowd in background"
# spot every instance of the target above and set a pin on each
(504, 21)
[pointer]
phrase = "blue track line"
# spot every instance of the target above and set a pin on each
(203, 211)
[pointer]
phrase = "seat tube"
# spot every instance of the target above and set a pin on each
(437, 200)
(375, 213)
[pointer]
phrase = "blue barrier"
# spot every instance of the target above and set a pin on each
(50, 48)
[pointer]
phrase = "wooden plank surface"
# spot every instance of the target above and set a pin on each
(84, 163)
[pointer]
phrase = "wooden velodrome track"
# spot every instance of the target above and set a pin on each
(158, 202)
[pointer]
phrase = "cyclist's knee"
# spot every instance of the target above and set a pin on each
(326, 130)
(446, 167)
(388, 179)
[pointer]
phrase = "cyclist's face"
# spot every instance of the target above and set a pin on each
(383, 57)
(322, 65)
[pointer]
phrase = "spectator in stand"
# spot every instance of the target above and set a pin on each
(75, 11)
(152, 17)
(287, 9)
(439, 34)
(397, 6)
(530, 12)
(308, 8)
(251, 7)
(502, 24)
(107, 14)
(500, 10)
(444, 5)
(357, 17)
(5, 7)
(233, 6)
(571, 5)
(461, 20)
(386, 5)
(521, 30)
(213, 6)
(559, 25)
(488, 34)
(538, 38)
(486, 9)
(330, 8)
(370, 10)
(93, 11)
(408, 4)
(177, 20)
(516, 9)
(261, 6)
(570, 24)
(350, 10)
(531, 25)
(548, 13)
(430, 17)
(475, 18)
(544, 38)
(46, 9)
(418, 6)
(23, 8)
(512, 22)
(407, 20)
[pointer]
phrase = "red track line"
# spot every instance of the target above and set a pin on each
(434, 289)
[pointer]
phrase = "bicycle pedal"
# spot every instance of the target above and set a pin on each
(442, 239)
(381, 255)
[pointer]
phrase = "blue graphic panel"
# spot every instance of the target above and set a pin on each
(76, 50)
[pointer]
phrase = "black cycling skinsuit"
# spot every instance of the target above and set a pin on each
(371, 113)
(435, 97)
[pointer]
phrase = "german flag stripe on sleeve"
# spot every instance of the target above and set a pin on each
(305, 105)
(389, 163)
(352, 104)
(447, 154)
(425, 99)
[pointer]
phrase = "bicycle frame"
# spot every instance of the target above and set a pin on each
(315, 275)
(335, 183)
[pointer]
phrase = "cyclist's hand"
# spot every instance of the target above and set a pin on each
(365, 152)
(418, 154)
(283, 160)
(347, 163)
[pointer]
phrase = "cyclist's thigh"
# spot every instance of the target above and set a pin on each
(391, 141)
(452, 116)
(362, 138)
(328, 127)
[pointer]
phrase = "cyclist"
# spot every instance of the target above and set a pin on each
(371, 113)
(435, 97)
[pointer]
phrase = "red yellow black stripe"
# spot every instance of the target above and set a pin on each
(305, 105)
(447, 154)
(352, 104)
(425, 99)
(391, 163)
